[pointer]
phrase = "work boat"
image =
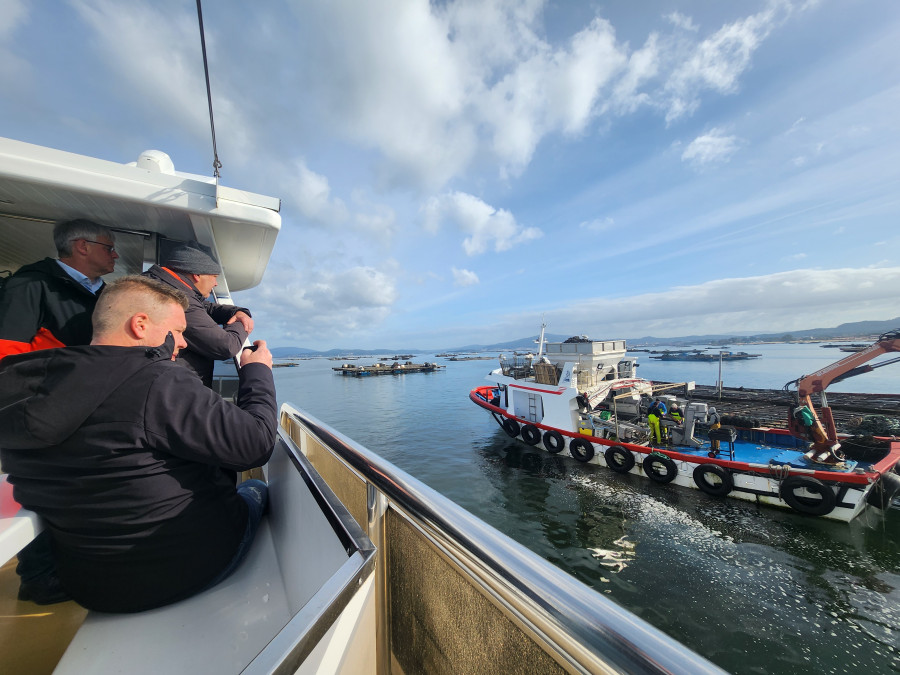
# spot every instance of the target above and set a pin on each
(358, 567)
(581, 398)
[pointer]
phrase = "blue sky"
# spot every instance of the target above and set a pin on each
(452, 171)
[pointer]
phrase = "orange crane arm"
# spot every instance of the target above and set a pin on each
(822, 431)
(819, 380)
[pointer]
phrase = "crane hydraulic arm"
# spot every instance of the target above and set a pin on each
(803, 420)
(849, 366)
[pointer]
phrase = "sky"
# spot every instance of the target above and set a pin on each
(456, 172)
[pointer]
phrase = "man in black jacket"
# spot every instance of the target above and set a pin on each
(49, 303)
(44, 305)
(214, 331)
(126, 456)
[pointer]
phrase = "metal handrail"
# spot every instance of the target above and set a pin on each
(615, 637)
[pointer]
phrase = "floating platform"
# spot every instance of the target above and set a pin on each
(705, 356)
(395, 368)
(472, 358)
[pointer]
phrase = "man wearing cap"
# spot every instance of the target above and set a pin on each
(214, 331)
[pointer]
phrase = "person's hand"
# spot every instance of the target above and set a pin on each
(258, 353)
(245, 319)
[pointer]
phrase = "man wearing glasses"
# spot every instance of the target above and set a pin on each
(49, 303)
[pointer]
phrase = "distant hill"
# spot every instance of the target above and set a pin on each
(856, 329)
(845, 330)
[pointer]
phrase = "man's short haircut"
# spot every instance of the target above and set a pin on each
(66, 232)
(130, 295)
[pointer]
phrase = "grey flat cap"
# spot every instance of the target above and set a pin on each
(191, 260)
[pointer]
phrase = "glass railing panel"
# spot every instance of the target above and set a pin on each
(441, 623)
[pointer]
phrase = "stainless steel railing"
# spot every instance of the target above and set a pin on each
(457, 595)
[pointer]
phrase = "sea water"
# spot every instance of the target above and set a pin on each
(753, 589)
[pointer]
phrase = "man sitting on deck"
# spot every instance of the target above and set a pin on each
(125, 455)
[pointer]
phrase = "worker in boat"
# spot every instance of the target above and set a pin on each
(675, 413)
(656, 412)
(129, 465)
(714, 422)
(49, 303)
(214, 331)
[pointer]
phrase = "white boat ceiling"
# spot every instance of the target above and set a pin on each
(141, 201)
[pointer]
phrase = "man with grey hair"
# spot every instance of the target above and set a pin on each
(49, 303)
(214, 331)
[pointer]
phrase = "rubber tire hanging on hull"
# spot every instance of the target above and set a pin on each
(511, 427)
(581, 450)
(619, 459)
(716, 489)
(884, 491)
(652, 464)
(531, 434)
(809, 506)
(553, 441)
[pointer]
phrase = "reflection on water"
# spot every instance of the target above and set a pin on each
(754, 589)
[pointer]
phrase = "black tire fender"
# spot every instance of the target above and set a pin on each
(883, 492)
(809, 506)
(581, 450)
(531, 434)
(511, 427)
(660, 468)
(619, 459)
(553, 441)
(721, 484)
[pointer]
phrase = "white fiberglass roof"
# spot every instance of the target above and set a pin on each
(142, 201)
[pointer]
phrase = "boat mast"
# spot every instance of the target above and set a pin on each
(541, 341)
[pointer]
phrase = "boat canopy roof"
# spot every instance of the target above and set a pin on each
(144, 202)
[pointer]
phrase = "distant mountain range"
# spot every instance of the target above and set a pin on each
(857, 329)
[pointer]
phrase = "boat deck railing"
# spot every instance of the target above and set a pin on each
(455, 595)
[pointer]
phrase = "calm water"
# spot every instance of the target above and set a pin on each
(755, 590)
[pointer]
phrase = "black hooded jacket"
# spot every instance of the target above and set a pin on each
(125, 455)
(208, 341)
(43, 295)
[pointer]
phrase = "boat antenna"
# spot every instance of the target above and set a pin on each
(212, 125)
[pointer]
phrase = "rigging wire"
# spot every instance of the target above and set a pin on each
(212, 125)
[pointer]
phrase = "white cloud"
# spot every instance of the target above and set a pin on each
(155, 52)
(13, 14)
(310, 193)
(717, 62)
(464, 277)
(681, 21)
(713, 147)
(598, 224)
(374, 219)
(485, 225)
(393, 84)
(316, 305)
(552, 90)
(803, 298)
